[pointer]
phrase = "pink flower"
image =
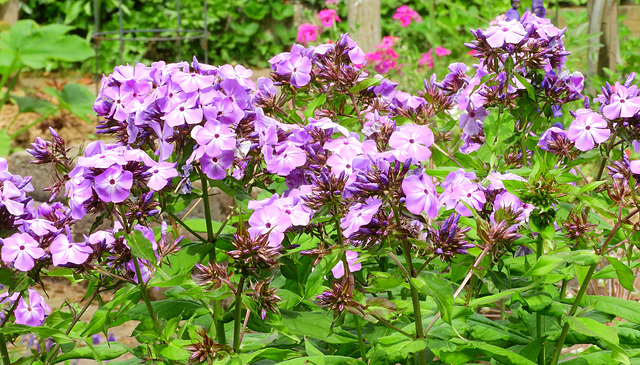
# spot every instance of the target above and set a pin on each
(511, 32)
(588, 130)
(307, 32)
(387, 42)
(441, 51)
(622, 104)
(352, 257)
(327, 16)
(405, 15)
(331, 2)
(426, 59)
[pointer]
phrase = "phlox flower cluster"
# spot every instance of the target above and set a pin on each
(307, 33)
(328, 17)
(405, 16)
(385, 58)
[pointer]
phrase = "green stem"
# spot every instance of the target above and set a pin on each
(221, 336)
(207, 210)
(363, 353)
(145, 296)
(3, 350)
(572, 311)
(539, 319)
(381, 320)
(12, 84)
(186, 227)
(237, 322)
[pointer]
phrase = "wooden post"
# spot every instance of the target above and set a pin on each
(9, 11)
(609, 55)
(364, 23)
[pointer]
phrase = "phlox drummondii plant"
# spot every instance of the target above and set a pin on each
(386, 221)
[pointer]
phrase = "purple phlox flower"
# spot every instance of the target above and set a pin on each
(22, 250)
(102, 239)
(169, 96)
(34, 313)
(575, 82)
(96, 339)
(299, 67)
(507, 200)
(237, 93)
(126, 74)
(102, 160)
(359, 215)
(8, 198)
(113, 184)
(187, 111)
(223, 110)
(511, 32)
(537, 7)
(190, 82)
(216, 167)
(622, 104)
(239, 73)
(266, 88)
(342, 161)
(148, 234)
(496, 179)
(285, 158)
(326, 124)
(338, 144)
(161, 175)
(588, 129)
(375, 123)
(164, 132)
(512, 14)
(549, 135)
(356, 55)
(40, 226)
(123, 102)
(215, 136)
(299, 214)
(203, 68)
(146, 270)
(634, 166)
(386, 89)
(421, 195)
(636, 146)
(471, 122)
(412, 141)
(352, 258)
(270, 220)
(408, 101)
(64, 251)
(459, 188)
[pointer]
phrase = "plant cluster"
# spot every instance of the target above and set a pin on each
(373, 205)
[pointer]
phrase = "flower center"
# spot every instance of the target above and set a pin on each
(70, 245)
(216, 135)
(22, 248)
(181, 108)
(268, 225)
(587, 127)
(411, 140)
(112, 181)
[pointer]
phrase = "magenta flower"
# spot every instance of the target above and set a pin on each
(215, 136)
(421, 195)
(621, 104)
(269, 220)
(216, 167)
(161, 175)
(405, 15)
(10, 192)
(352, 257)
(64, 252)
(307, 33)
(359, 215)
(588, 130)
(412, 141)
(299, 67)
(288, 157)
(426, 59)
(22, 250)
(34, 313)
(441, 51)
(387, 42)
(328, 16)
(511, 32)
(113, 184)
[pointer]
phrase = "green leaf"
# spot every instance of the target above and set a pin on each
(140, 246)
(168, 308)
(365, 84)
(500, 354)
(323, 360)
(440, 289)
(34, 105)
(544, 265)
(274, 354)
(311, 349)
(78, 100)
(315, 325)
(590, 186)
(175, 350)
(313, 104)
(402, 346)
(316, 278)
(5, 143)
(592, 328)
(627, 309)
(107, 351)
(255, 10)
(492, 331)
(527, 85)
(625, 274)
